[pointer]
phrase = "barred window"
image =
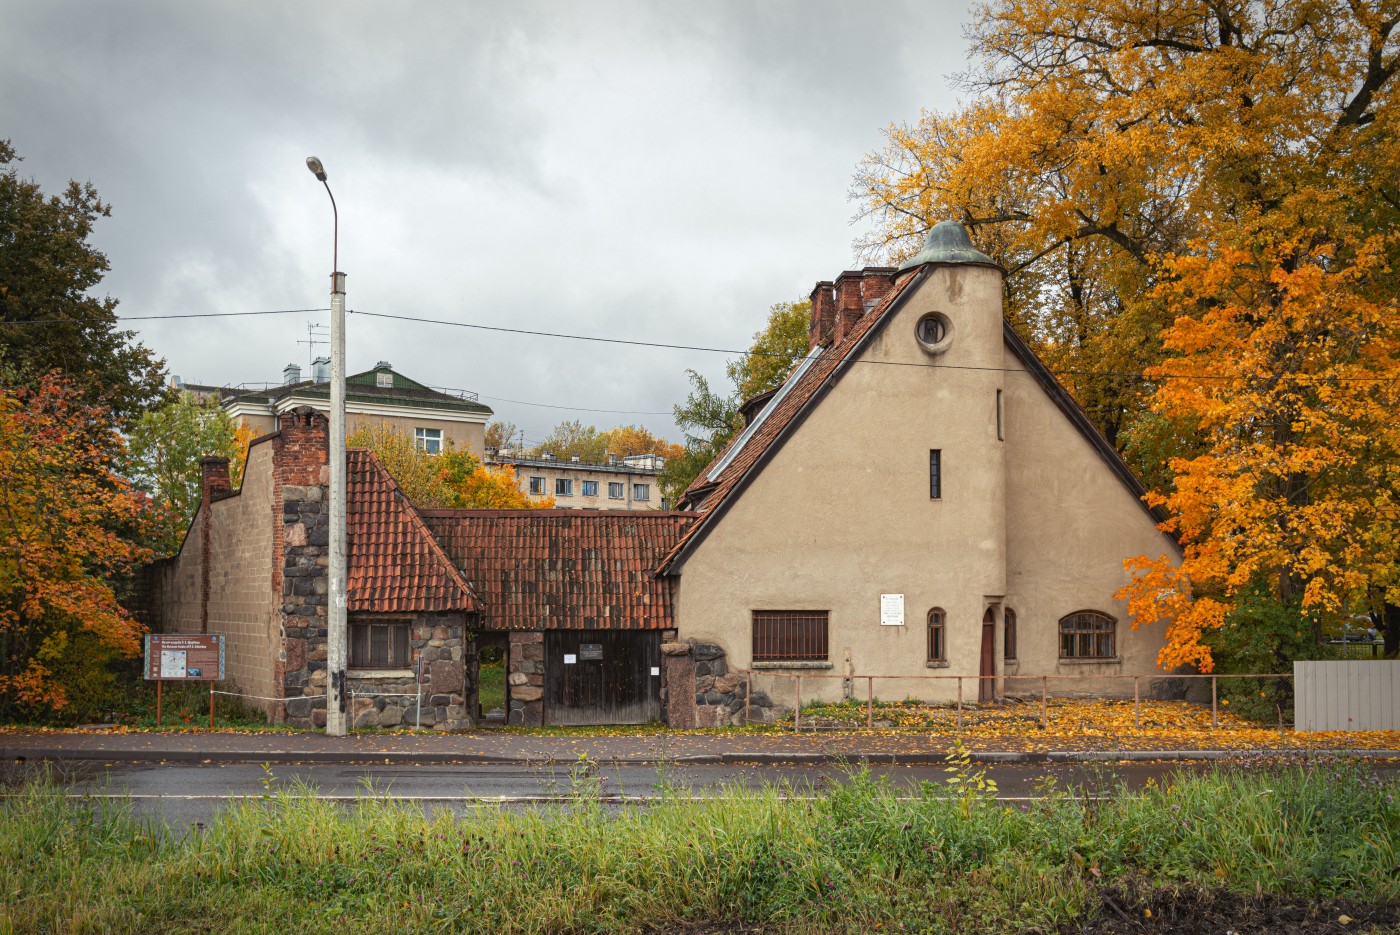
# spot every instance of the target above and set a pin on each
(380, 645)
(789, 635)
(1009, 632)
(935, 474)
(937, 636)
(1087, 634)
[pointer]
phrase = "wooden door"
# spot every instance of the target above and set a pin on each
(986, 672)
(602, 676)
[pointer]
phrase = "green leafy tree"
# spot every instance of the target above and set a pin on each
(572, 438)
(166, 446)
(500, 434)
(708, 419)
(47, 272)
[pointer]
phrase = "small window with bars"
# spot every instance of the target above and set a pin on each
(935, 474)
(1008, 624)
(937, 636)
(380, 644)
(1087, 634)
(789, 635)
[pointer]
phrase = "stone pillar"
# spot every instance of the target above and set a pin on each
(678, 683)
(525, 679)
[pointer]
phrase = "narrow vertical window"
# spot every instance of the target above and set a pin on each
(1001, 426)
(935, 474)
(937, 644)
(1009, 628)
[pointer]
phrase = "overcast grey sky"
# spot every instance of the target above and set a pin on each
(658, 171)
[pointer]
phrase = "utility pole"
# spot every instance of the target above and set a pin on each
(336, 625)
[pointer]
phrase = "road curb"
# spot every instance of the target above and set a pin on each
(741, 758)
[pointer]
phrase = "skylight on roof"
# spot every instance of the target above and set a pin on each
(772, 404)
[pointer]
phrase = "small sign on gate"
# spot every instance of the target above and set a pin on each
(590, 652)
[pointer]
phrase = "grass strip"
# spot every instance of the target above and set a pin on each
(863, 857)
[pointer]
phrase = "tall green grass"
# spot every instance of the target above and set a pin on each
(858, 858)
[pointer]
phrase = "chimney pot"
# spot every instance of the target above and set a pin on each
(291, 374)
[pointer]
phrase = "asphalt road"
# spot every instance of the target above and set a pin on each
(183, 795)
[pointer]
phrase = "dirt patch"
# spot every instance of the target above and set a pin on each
(1189, 912)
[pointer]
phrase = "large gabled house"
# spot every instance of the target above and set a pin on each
(920, 499)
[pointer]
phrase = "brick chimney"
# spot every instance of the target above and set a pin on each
(213, 478)
(303, 447)
(849, 307)
(823, 315)
(875, 283)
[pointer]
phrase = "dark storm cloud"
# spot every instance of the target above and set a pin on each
(658, 171)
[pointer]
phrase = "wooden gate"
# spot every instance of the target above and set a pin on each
(602, 676)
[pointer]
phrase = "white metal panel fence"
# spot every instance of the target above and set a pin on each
(1356, 694)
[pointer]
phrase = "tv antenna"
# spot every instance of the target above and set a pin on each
(315, 335)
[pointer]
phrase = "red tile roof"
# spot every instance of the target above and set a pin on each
(708, 497)
(564, 569)
(396, 566)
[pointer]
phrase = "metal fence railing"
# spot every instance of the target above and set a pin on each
(1022, 688)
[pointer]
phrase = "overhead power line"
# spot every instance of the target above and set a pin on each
(752, 353)
(79, 321)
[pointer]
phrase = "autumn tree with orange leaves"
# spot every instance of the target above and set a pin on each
(1196, 204)
(67, 524)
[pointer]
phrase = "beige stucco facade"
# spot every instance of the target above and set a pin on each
(1034, 520)
(463, 435)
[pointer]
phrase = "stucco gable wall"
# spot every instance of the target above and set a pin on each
(842, 513)
(1070, 524)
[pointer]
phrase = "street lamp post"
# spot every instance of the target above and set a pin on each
(336, 626)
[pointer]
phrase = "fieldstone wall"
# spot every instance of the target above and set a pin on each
(525, 678)
(305, 582)
(393, 701)
(701, 691)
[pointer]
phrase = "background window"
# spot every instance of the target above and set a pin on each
(381, 645)
(615, 491)
(641, 491)
(937, 636)
(1009, 632)
(935, 474)
(429, 440)
(563, 487)
(590, 488)
(1087, 634)
(537, 486)
(789, 635)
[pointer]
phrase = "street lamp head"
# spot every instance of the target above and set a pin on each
(316, 168)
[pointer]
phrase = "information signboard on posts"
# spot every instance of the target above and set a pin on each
(185, 657)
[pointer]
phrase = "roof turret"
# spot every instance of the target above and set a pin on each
(948, 242)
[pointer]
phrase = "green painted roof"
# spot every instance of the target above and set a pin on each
(364, 387)
(948, 242)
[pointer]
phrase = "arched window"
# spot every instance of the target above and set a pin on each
(937, 636)
(1009, 632)
(1087, 634)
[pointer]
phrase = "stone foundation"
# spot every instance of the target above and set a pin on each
(525, 678)
(700, 690)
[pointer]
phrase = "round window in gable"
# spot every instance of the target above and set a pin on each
(934, 332)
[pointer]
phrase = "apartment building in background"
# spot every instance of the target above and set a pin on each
(617, 484)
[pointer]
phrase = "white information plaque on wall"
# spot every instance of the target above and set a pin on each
(891, 610)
